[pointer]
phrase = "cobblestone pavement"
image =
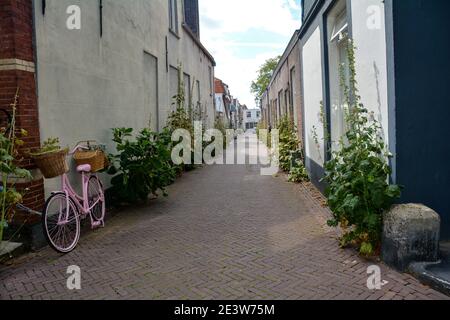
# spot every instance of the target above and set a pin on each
(225, 232)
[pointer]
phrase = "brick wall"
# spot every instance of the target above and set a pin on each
(17, 70)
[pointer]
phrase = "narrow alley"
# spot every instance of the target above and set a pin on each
(225, 232)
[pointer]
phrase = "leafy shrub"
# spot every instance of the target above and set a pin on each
(184, 119)
(219, 125)
(267, 139)
(298, 172)
(289, 142)
(9, 144)
(180, 119)
(143, 165)
(357, 176)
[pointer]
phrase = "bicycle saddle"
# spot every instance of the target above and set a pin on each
(84, 168)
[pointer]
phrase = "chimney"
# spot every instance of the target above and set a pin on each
(191, 16)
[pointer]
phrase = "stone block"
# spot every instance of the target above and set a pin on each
(410, 234)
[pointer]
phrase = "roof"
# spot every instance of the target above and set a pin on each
(219, 86)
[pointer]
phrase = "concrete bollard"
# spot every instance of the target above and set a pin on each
(410, 234)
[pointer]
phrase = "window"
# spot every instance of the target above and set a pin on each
(199, 97)
(280, 103)
(291, 91)
(173, 85)
(286, 102)
(249, 114)
(275, 111)
(338, 62)
(187, 91)
(258, 114)
(211, 80)
(173, 16)
(340, 28)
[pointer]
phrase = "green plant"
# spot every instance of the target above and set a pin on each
(182, 118)
(264, 136)
(289, 142)
(142, 166)
(219, 125)
(298, 172)
(357, 176)
(49, 146)
(9, 144)
(264, 75)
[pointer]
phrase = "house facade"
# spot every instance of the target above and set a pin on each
(403, 76)
(235, 108)
(84, 67)
(283, 96)
(223, 101)
(252, 117)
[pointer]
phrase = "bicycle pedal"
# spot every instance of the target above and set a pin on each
(96, 224)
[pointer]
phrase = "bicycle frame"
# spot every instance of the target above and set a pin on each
(81, 202)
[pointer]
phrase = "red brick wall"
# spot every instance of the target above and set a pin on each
(16, 42)
(16, 29)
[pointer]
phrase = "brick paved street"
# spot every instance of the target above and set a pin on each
(225, 232)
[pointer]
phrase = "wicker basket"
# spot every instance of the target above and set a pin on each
(52, 164)
(95, 158)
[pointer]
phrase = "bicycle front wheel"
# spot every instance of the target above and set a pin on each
(61, 223)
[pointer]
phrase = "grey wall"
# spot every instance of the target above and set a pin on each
(422, 96)
(88, 84)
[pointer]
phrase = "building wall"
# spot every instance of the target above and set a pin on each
(90, 83)
(321, 78)
(371, 59)
(286, 79)
(18, 71)
(282, 82)
(312, 98)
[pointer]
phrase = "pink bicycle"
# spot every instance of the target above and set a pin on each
(65, 209)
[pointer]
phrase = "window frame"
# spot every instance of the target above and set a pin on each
(173, 19)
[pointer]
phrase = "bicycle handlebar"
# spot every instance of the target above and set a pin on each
(79, 146)
(82, 145)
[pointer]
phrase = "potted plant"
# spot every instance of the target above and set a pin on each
(51, 158)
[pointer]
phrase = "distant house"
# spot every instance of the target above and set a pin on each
(251, 118)
(234, 113)
(283, 95)
(223, 101)
(403, 74)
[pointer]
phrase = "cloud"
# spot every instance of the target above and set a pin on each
(223, 25)
(293, 5)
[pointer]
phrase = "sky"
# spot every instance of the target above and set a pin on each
(242, 34)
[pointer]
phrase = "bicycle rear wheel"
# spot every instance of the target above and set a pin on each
(61, 223)
(96, 199)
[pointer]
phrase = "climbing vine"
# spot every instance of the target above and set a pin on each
(357, 175)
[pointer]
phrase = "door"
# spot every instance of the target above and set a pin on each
(151, 90)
